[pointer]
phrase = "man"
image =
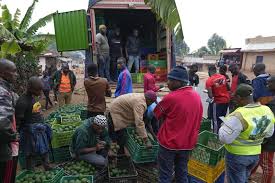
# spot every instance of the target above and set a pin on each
(35, 135)
(268, 146)
(180, 113)
(103, 51)
(218, 94)
(115, 52)
(150, 120)
(237, 78)
(150, 81)
(8, 135)
(65, 82)
(261, 92)
(127, 110)
(243, 132)
(194, 79)
(97, 88)
(47, 89)
(133, 51)
(124, 83)
(90, 141)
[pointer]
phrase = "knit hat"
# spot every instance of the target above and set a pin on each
(151, 95)
(179, 73)
(100, 120)
(102, 27)
(244, 90)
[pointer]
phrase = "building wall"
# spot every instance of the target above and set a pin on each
(249, 59)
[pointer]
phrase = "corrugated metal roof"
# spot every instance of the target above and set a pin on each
(259, 47)
(71, 30)
(233, 50)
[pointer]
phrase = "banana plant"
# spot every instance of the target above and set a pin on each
(168, 13)
(19, 36)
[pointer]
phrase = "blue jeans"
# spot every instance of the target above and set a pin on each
(238, 167)
(169, 159)
(133, 59)
(104, 66)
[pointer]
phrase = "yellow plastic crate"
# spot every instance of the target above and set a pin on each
(204, 172)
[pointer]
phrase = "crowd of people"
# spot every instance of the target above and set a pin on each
(241, 111)
(111, 50)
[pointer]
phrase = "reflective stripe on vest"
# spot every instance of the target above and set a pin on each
(259, 120)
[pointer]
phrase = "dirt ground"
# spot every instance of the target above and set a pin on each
(80, 96)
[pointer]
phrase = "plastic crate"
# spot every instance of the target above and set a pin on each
(61, 139)
(158, 63)
(137, 77)
(205, 172)
(206, 154)
(124, 162)
(78, 173)
(141, 154)
(37, 160)
(192, 179)
(70, 119)
(56, 178)
(205, 125)
(147, 173)
(101, 176)
(61, 154)
(68, 178)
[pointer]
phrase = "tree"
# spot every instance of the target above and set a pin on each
(16, 36)
(215, 44)
(20, 42)
(202, 51)
(166, 11)
(181, 48)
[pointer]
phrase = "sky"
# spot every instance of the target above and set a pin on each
(234, 20)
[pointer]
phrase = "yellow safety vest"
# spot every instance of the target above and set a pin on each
(259, 120)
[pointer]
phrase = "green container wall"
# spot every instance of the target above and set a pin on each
(71, 30)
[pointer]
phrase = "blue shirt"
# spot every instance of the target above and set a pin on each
(150, 109)
(124, 83)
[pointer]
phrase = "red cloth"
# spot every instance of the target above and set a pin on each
(150, 83)
(217, 83)
(181, 112)
(266, 163)
(234, 84)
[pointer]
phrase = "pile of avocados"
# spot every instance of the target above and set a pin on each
(79, 168)
(117, 172)
(63, 128)
(38, 177)
(137, 139)
(77, 180)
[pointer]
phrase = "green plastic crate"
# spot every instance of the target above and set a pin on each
(205, 125)
(37, 160)
(70, 119)
(141, 154)
(56, 178)
(158, 63)
(60, 139)
(204, 151)
(69, 178)
(137, 77)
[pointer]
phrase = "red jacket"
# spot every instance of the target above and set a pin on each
(150, 83)
(181, 111)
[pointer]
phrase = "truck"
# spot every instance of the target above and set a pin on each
(156, 39)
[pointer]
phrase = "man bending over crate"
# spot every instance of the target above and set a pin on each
(243, 133)
(128, 110)
(90, 141)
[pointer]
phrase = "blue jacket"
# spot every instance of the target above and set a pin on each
(124, 83)
(260, 88)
